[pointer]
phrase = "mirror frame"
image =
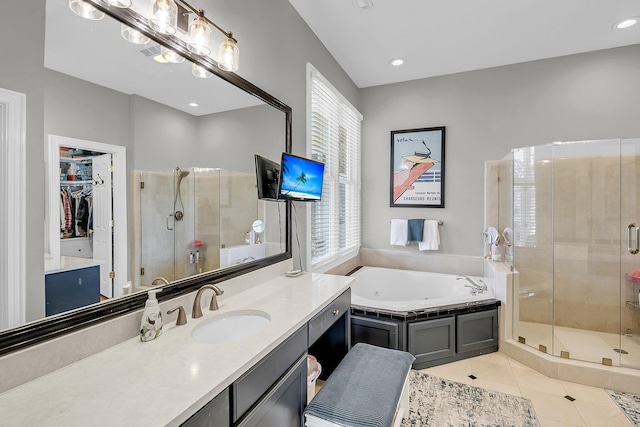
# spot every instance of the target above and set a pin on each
(26, 335)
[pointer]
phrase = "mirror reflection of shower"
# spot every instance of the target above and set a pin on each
(178, 206)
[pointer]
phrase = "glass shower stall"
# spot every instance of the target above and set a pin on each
(574, 208)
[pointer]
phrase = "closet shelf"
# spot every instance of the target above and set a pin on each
(76, 160)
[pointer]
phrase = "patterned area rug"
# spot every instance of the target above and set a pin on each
(628, 403)
(437, 402)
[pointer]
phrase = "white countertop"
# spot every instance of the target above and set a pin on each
(60, 263)
(163, 382)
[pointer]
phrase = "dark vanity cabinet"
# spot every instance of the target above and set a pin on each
(68, 290)
(273, 393)
(213, 414)
(385, 333)
(330, 334)
(433, 338)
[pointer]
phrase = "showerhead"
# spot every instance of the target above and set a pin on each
(180, 173)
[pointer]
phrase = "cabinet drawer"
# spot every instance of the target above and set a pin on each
(284, 404)
(252, 385)
(327, 317)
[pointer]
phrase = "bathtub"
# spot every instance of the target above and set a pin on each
(403, 291)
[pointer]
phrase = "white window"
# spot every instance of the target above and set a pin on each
(524, 196)
(334, 138)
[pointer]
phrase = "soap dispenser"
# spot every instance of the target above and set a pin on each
(151, 324)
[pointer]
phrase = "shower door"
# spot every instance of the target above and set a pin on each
(630, 255)
(586, 250)
(576, 218)
(156, 225)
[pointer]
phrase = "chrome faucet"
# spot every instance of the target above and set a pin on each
(159, 279)
(475, 286)
(196, 312)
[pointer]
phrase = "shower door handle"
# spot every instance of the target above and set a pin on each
(169, 228)
(636, 247)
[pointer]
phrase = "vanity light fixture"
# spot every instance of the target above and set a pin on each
(132, 35)
(120, 3)
(85, 10)
(199, 35)
(200, 71)
(164, 19)
(625, 23)
(164, 16)
(170, 56)
(396, 62)
(228, 52)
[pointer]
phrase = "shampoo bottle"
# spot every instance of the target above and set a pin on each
(151, 324)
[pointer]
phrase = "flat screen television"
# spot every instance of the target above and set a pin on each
(267, 174)
(300, 179)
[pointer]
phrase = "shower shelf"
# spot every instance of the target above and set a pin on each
(633, 304)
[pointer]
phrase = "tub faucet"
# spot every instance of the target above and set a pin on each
(159, 279)
(196, 312)
(475, 286)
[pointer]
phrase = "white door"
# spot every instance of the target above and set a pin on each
(102, 221)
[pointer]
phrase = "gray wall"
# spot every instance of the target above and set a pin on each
(22, 71)
(487, 113)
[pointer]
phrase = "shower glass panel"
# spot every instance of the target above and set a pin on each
(630, 258)
(586, 250)
(156, 225)
(533, 245)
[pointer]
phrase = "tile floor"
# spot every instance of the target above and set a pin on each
(592, 406)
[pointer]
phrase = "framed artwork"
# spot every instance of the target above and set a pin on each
(417, 168)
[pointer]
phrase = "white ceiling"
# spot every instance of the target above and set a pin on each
(438, 37)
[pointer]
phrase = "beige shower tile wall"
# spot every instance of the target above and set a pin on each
(207, 208)
(238, 206)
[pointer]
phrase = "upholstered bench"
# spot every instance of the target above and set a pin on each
(369, 388)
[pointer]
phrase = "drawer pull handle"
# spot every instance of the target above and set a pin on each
(336, 312)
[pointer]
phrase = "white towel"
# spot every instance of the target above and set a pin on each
(399, 229)
(430, 236)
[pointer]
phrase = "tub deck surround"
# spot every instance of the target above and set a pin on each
(408, 292)
(165, 381)
(428, 313)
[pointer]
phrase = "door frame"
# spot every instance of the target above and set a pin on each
(52, 214)
(13, 115)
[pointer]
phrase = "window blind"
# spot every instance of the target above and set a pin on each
(524, 197)
(334, 139)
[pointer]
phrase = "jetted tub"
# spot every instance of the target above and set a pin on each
(404, 291)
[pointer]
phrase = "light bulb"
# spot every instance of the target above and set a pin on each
(120, 3)
(164, 16)
(200, 71)
(199, 36)
(170, 56)
(134, 36)
(228, 55)
(86, 10)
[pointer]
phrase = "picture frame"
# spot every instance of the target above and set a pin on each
(417, 168)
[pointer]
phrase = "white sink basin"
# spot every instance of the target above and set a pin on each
(232, 326)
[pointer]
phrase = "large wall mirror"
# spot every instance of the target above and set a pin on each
(161, 158)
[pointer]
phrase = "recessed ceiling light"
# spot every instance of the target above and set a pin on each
(193, 104)
(626, 23)
(397, 62)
